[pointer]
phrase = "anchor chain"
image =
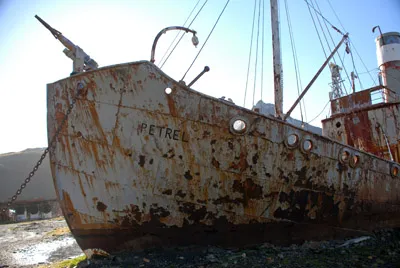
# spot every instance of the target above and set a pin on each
(51, 146)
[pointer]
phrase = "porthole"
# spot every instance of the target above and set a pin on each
(168, 90)
(354, 160)
(292, 141)
(394, 170)
(306, 145)
(344, 156)
(238, 125)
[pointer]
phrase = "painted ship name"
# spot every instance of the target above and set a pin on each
(163, 132)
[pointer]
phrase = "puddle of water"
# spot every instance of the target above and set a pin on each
(40, 253)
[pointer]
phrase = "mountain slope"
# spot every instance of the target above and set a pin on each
(15, 167)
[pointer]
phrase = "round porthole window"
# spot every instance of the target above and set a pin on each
(344, 156)
(292, 141)
(306, 145)
(238, 125)
(394, 170)
(168, 90)
(354, 160)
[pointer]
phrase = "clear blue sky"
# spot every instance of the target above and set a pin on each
(123, 31)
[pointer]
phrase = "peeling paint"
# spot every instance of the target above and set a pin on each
(122, 185)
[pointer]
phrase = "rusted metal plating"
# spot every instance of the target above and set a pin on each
(361, 121)
(138, 166)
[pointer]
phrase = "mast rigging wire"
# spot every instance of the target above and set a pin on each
(205, 42)
(319, 13)
(184, 32)
(176, 36)
(354, 67)
(295, 59)
(319, 113)
(256, 61)
(333, 42)
(251, 46)
(355, 49)
(262, 50)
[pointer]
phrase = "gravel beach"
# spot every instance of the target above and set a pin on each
(382, 249)
(46, 242)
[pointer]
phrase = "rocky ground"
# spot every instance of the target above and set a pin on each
(29, 244)
(379, 250)
(47, 242)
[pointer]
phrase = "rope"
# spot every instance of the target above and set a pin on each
(262, 50)
(176, 36)
(251, 46)
(296, 68)
(184, 33)
(255, 65)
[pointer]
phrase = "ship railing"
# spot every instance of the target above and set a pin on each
(363, 99)
(383, 94)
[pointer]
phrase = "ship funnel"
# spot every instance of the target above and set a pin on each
(388, 56)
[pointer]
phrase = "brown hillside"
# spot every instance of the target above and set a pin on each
(15, 167)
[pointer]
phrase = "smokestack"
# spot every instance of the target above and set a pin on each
(388, 56)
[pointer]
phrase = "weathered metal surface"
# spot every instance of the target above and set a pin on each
(277, 59)
(369, 127)
(137, 167)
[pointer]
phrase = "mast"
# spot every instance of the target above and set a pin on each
(277, 61)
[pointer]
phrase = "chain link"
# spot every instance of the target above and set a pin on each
(51, 147)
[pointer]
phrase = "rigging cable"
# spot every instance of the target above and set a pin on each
(315, 26)
(295, 60)
(359, 58)
(369, 71)
(262, 50)
(255, 64)
(354, 67)
(205, 42)
(176, 36)
(251, 46)
(355, 49)
(319, 13)
(319, 113)
(184, 33)
(333, 42)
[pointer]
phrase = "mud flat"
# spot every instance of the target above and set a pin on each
(47, 242)
(30, 244)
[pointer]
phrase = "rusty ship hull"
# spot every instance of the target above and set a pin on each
(139, 166)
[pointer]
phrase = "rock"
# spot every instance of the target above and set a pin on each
(354, 241)
(211, 258)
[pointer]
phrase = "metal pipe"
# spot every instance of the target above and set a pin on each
(314, 78)
(387, 142)
(206, 69)
(195, 41)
